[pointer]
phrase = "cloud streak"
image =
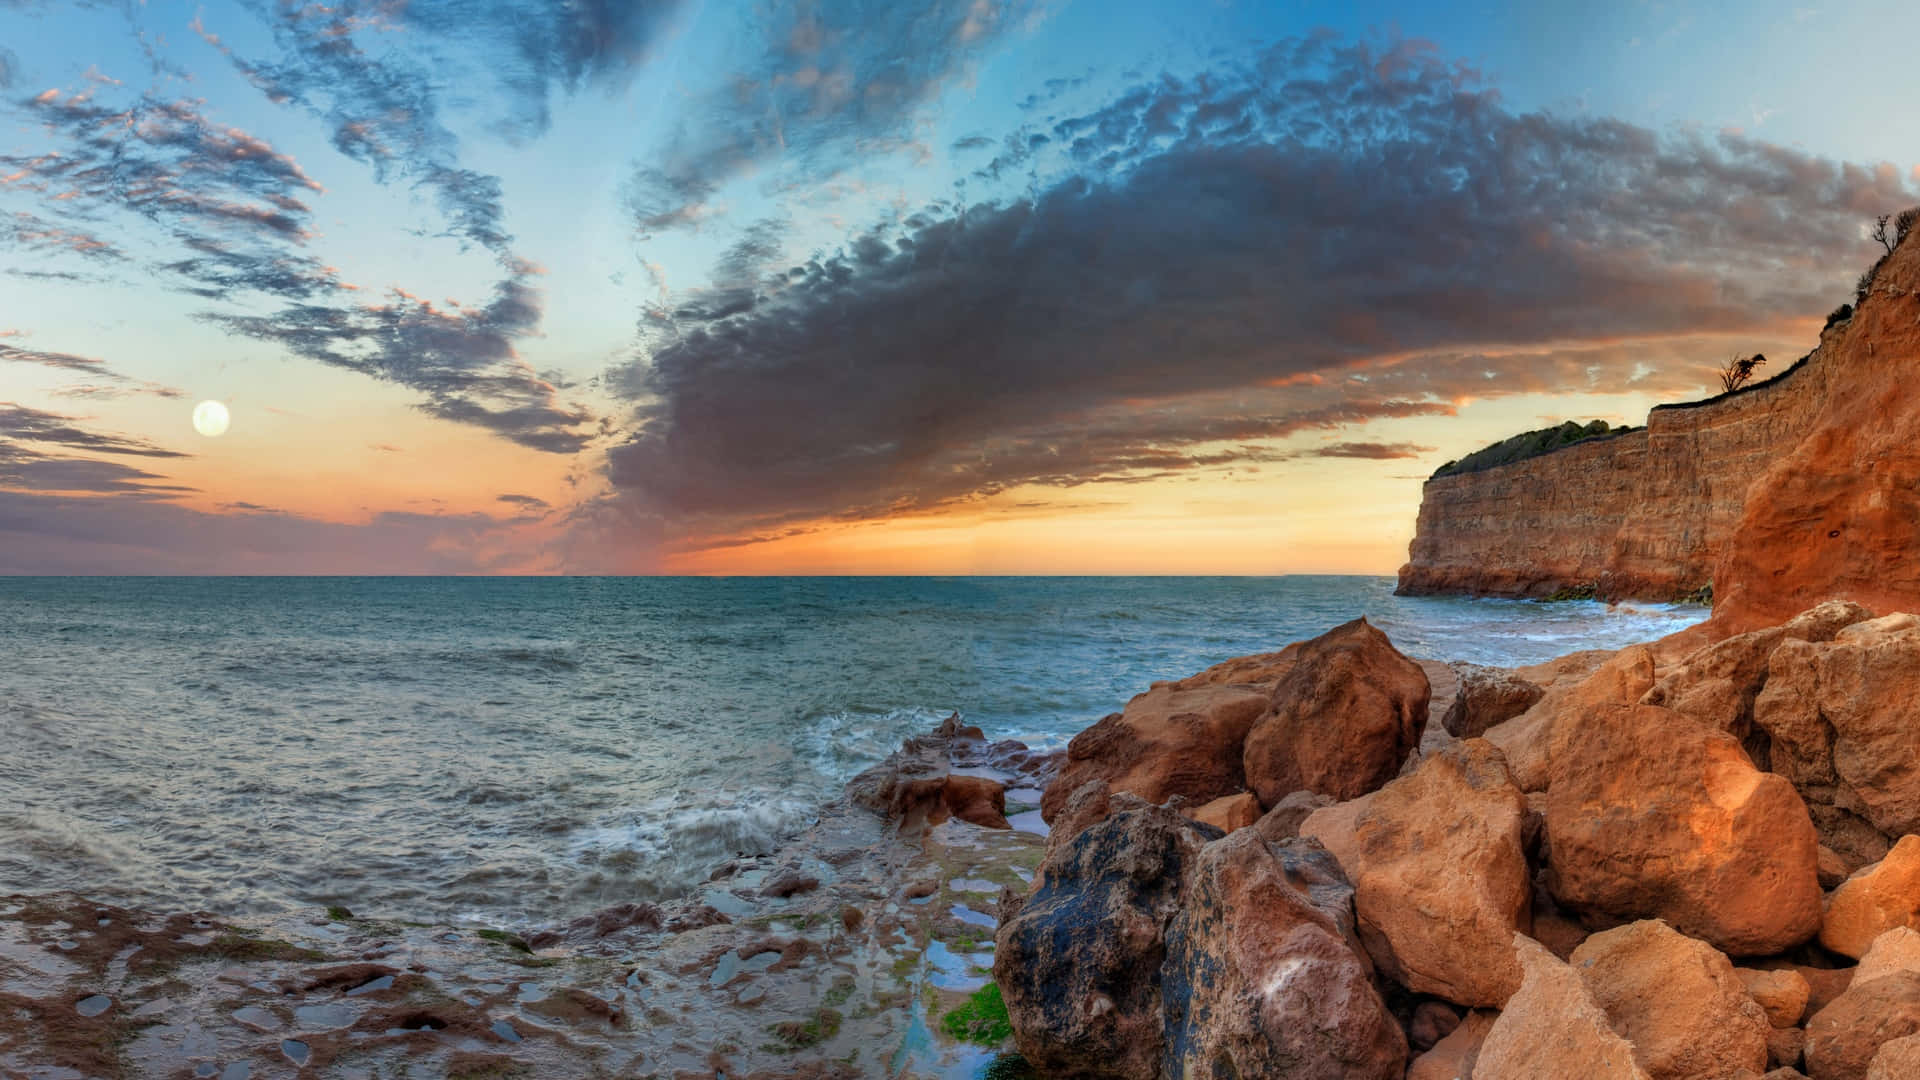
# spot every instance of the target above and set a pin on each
(1214, 262)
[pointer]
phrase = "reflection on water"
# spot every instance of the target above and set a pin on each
(507, 749)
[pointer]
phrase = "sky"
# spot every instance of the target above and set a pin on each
(901, 286)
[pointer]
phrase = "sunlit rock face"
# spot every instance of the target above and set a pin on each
(1650, 815)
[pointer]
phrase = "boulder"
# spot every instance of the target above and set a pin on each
(1079, 964)
(1486, 696)
(1553, 1027)
(1676, 999)
(1229, 812)
(1284, 820)
(1843, 721)
(1342, 720)
(1897, 1059)
(1178, 738)
(1260, 979)
(1650, 815)
(1439, 875)
(1453, 1057)
(1786, 1047)
(1431, 1022)
(1874, 900)
(1082, 807)
(1897, 949)
(1528, 739)
(1843, 1038)
(1781, 994)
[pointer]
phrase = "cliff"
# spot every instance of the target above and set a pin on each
(1800, 489)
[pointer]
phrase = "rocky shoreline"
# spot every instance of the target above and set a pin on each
(1698, 857)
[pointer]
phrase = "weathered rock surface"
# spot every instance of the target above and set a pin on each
(1802, 488)
(1259, 978)
(1781, 994)
(1652, 816)
(1553, 1027)
(1897, 1059)
(1843, 718)
(1178, 738)
(1284, 820)
(1343, 718)
(1453, 1057)
(1528, 740)
(1486, 696)
(1229, 812)
(1440, 877)
(1843, 1037)
(1836, 513)
(1676, 999)
(1080, 964)
(1897, 949)
(1874, 900)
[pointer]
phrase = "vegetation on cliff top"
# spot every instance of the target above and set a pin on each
(1528, 444)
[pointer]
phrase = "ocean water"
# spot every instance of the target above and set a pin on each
(524, 750)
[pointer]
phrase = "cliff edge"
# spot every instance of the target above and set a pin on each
(1800, 489)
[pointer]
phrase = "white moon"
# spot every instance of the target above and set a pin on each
(210, 418)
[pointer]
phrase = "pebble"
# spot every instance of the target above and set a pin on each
(93, 1006)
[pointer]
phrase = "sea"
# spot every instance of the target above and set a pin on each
(518, 751)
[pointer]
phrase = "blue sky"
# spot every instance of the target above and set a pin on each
(932, 285)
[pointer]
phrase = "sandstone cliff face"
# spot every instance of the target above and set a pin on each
(1803, 489)
(1645, 514)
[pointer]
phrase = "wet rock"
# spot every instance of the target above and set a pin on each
(1781, 994)
(1843, 1038)
(1840, 717)
(1440, 878)
(788, 881)
(1650, 815)
(1897, 1059)
(1079, 965)
(1343, 718)
(1487, 696)
(1874, 900)
(1454, 1056)
(1528, 740)
(918, 785)
(1676, 999)
(1259, 978)
(1552, 1027)
(1229, 812)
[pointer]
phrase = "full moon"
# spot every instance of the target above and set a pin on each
(210, 418)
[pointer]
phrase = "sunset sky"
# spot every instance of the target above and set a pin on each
(904, 286)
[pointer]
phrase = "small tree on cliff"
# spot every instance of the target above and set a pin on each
(1739, 370)
(1885, 237)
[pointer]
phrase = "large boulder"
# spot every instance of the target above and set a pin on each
(1717, 685)
(1453, 1057)
(1486, 696)
(1528, 739)
(1343, 719)
(1439, 874)
(1876, 899)
(1897, 1059)
(1260, 977)
(1650, 815)
(1178, 738)
(1676, 999)
(1781, 993)
(1843, 720)
(1553, 1027)
(1843, 1038)
(937, 776)
(1896, 950)
(1079, 964)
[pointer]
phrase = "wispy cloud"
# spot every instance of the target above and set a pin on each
(832, 79)
(464, 360)
(21, 422)
(116, 384)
